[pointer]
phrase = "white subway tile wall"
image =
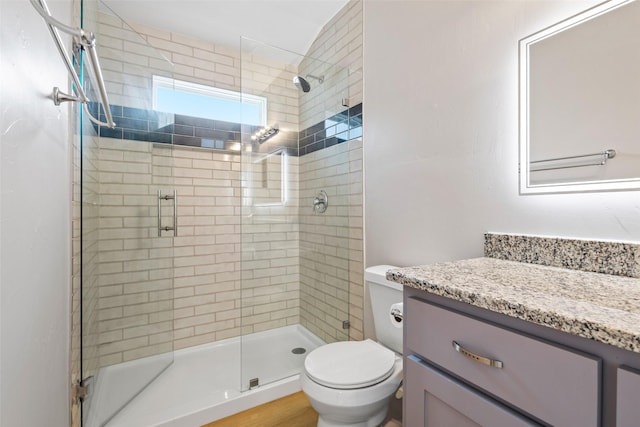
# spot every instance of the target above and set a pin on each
(138, 310)
(270, 242)
(207, 249)
(90, 234)
(339, 43)
(331, 244)
(133, 55)
(135, 307)
(329, 241)
(356, 240)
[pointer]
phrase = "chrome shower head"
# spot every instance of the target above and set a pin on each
(301, 83)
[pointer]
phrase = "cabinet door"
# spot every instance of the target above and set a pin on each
(433, 399)
(628, 390)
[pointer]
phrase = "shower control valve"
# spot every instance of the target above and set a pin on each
(320, 202)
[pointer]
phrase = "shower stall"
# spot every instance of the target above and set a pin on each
(217, 226)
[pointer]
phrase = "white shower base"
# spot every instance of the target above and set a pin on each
(203, 383)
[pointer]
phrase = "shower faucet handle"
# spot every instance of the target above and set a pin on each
(320, 202)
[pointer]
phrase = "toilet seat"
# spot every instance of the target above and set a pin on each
(350, 364)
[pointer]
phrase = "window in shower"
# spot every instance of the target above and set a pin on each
(197, 100)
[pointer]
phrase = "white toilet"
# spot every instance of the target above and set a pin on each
(350, 383)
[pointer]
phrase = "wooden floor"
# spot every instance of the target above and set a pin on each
(290, 411)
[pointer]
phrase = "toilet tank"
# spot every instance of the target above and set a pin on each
(384, 294)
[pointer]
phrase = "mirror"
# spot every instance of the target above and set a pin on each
(580, 102)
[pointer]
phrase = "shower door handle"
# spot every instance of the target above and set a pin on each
(175, 213)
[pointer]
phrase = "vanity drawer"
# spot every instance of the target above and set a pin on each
(555, 385)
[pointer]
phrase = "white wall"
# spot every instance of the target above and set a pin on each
(34, 222)
(441, 140)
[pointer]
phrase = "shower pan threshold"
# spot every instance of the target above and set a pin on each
(203, 382)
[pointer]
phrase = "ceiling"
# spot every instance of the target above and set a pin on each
(288, 24)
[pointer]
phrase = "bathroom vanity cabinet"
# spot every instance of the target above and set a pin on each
(538, 378)
(509, 372)
(541, 331)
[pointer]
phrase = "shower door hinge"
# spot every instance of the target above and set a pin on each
(80, 390)
(346, 324)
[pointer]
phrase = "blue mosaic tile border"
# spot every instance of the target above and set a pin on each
(338, 128)
(166, 128)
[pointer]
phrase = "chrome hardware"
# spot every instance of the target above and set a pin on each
(481, 359)
(547, 165)
(175, 213)
(86, 41)
(397, 314)
(320, 78)
(320, 202)
(59, 97)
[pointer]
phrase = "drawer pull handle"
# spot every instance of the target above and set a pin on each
(476, 357)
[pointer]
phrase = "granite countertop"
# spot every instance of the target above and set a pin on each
(596, 306)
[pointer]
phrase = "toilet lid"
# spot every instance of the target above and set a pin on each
(350, 364)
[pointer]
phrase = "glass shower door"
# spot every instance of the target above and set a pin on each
(294, 265)
(128, 223)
